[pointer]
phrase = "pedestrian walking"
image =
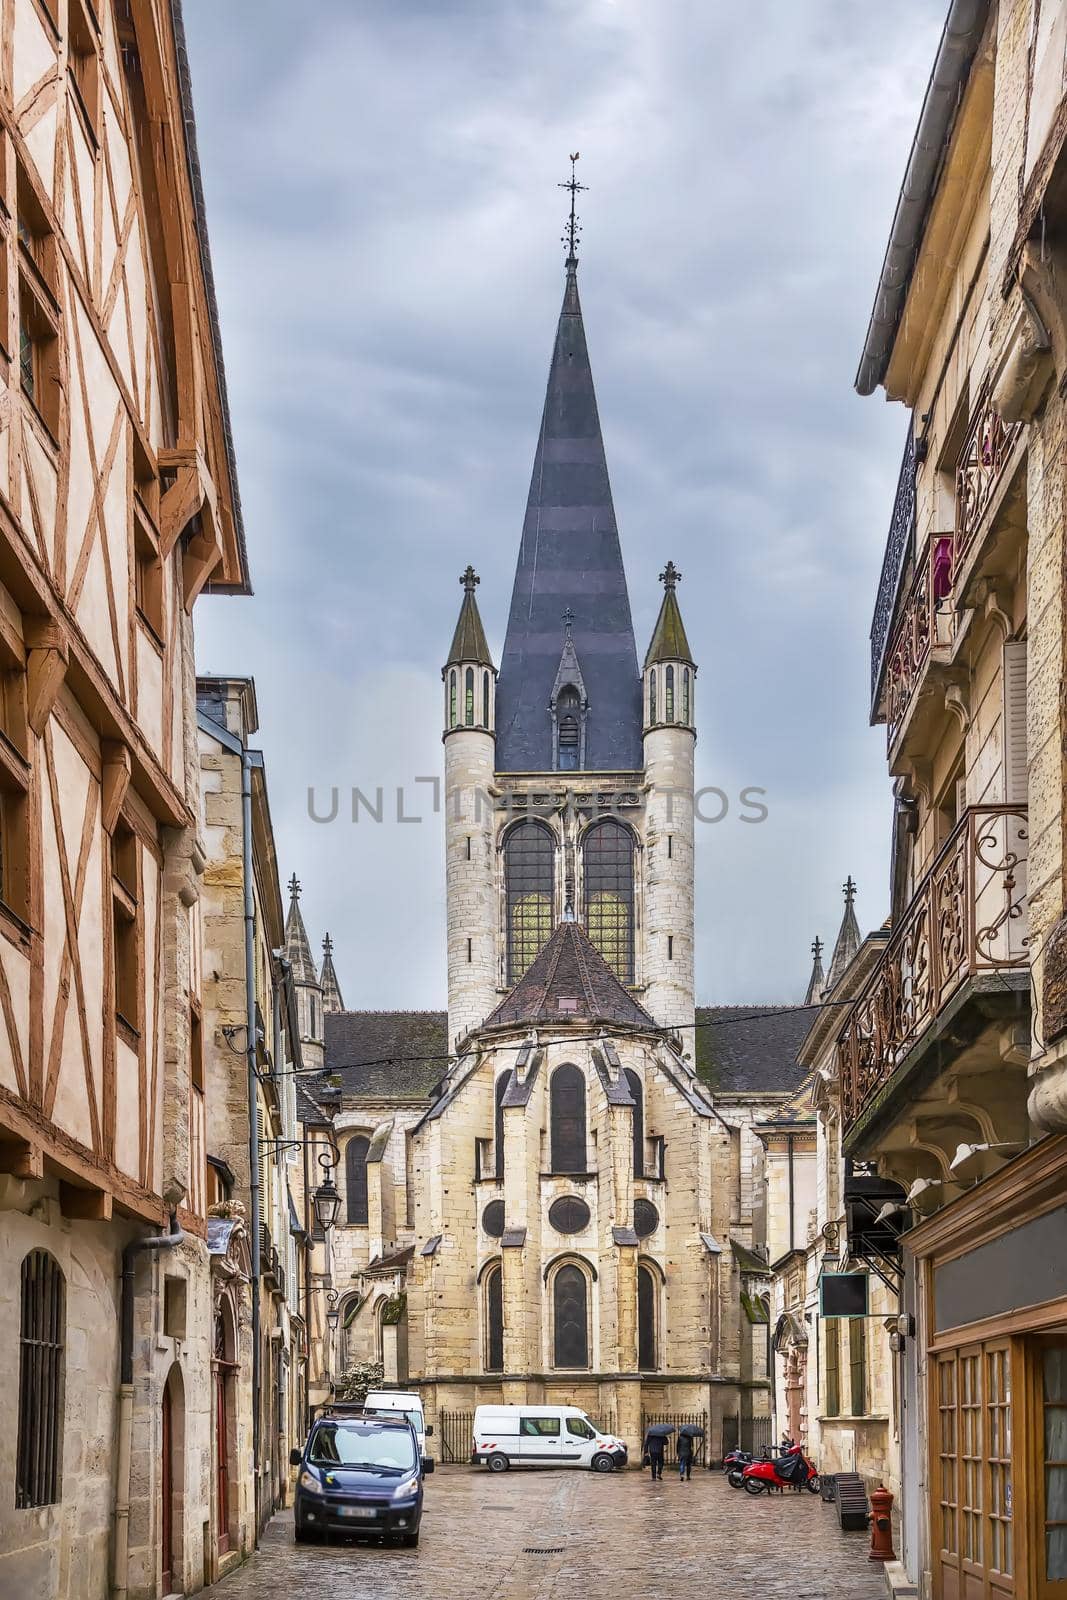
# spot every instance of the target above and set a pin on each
(685, 1457)
(655, 1445)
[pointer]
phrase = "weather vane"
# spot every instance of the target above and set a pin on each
(571, 237)
(568, 621)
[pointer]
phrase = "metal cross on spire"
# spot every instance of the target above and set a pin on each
(573, 233)
(670, 577)
(327, 946)
(470, 580)
(849, 890)
(294, 886)
(816, 948)
(567, 619)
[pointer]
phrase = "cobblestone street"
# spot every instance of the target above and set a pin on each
(529, 1535)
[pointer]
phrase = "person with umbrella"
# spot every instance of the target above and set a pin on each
(687, 1438)
(656, 1445)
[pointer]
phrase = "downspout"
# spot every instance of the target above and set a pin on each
(792, 1192)
(253, 1112)
(308, 1248)
(156, 1243)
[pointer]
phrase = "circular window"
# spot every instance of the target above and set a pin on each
(646, 1218)
(493, 1219)
(568, 1214)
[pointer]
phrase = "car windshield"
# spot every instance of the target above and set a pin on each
(342, 1444)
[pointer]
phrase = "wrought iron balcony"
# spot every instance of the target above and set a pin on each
(926, 622)
(967, 917)
(985, 453)
(899, 544)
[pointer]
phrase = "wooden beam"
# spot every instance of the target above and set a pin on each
(21, 1159)
(46, 667)
(91, 1205)
(116, 767)
(199, 560)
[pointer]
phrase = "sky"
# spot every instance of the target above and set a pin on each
(385, 226)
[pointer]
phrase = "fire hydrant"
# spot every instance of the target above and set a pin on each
(881, 1525)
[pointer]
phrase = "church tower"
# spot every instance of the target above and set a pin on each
(305, 980)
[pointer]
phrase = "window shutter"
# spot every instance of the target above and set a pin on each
(1015, 722)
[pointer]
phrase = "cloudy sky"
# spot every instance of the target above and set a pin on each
(385, 223)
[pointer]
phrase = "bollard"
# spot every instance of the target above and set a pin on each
(881, 1525)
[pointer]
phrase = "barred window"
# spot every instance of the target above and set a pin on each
(41, 1374)
(529, 871)
(468, 698)
(608, 856)
(356, 1179)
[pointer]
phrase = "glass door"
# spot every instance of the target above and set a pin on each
(1051, 1552)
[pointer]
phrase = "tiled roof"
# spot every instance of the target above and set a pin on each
(669, 642)
(469, 642)
(569, 981)
(372, 1051)
(308, 1109)
(751, 1049)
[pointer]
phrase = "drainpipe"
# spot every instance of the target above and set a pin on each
(792, 1194)
(253, 1113)
(159, 1242)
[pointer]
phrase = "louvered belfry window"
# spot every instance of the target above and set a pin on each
(356, 1179)
(608, 859)
(529, 870)
(42, 1337)
(570, 1297)
(568, 1119)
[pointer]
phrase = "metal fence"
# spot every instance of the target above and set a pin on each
(457, 1435)
(680, 1419)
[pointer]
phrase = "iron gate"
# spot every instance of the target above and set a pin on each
(679, 1419)
(457, 1435)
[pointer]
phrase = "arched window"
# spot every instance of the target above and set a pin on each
(356, 1179)
(608, 858)
(568, 1119)
(485, 699)
(42, 1339)
(452, 698)
(494, 1320)
(652, 695)
(638, 1096)
(685, 696)
(347, 1344)
(498, 1127)
(569, 729)
(646, 1320)
(570, 1307)
(668, 695)
(529, 873)
(468, 699)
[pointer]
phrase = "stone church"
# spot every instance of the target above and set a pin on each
(554, 1192)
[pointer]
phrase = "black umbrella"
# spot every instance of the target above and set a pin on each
(660, 1430)
(689, 1430)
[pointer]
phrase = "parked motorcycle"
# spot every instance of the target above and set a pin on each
(790, 1471)
(734, 1462)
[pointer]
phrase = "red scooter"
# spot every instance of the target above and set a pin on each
(791, 1471)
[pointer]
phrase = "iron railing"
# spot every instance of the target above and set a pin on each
(899, 545)
(982, 460)
(456, 1435)
(680, 1419)
(968, 916)
(927, 619)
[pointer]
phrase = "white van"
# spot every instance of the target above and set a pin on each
(404, 1400)
(542, 1436)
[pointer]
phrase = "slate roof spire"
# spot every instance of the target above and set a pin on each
(331, 989)
(569, 982)
(468, 641)
(669, 642)
(848, 939)
(297, 944)
(817, 981)
(569, 556)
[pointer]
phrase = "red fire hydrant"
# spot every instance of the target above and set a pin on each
(881, 1525)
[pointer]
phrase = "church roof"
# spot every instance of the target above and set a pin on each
(297, 944)
(569, 981)
(469, 641)
(387, 1055)
(669, 642)
(751, 1049)
(569, 558)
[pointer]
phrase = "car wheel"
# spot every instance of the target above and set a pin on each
(410, 1541)
(498, 1463)
(753, 1485)
(602, 1462)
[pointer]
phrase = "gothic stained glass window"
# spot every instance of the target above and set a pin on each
(356, 1179)
(494, 1321)
(485, 699)
(638, 1096)
(568, 1119)
(529, 871)
(685, 696)
(646, 1320)
(608, 856)
(668, 695)
(652, 695)
(468, 698)
(498, 1125)
(570, 1299)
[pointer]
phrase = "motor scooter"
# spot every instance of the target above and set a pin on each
(735, 1461)
(790, 1471)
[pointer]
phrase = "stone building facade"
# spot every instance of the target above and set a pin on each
(956, 1093)
(119, 504)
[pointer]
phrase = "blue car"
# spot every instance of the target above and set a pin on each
(360, 1474)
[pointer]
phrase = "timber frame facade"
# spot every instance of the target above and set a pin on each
(118, 504)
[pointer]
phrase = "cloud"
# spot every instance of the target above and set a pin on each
(384, 217)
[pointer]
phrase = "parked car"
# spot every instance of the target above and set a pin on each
(360, 1473)
(406, 1401)
(543, 1436)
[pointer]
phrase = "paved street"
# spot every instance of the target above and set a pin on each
(622, 1534)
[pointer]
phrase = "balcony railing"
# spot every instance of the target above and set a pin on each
(899, 544)
(982, 460)
(967, 917)
(926, 621)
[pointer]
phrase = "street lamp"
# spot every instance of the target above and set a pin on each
(333, 1310)
(326, 1200)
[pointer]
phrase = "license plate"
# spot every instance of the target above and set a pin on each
(367, 1513)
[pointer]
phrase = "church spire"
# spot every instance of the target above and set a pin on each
(569, 556)
(297, 945)
(468, 641)
(669, 642)
(848, 939)
(817, 981)
(331, 989)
